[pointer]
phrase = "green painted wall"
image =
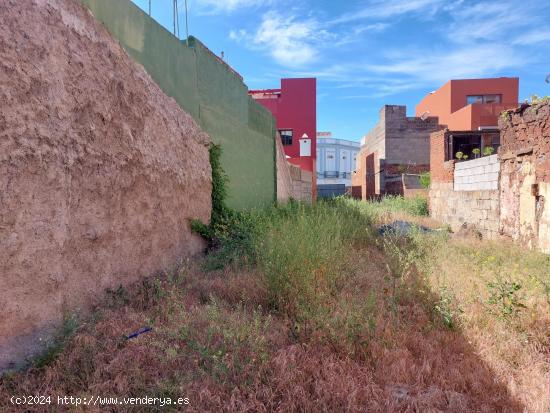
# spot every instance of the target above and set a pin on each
(209, 91)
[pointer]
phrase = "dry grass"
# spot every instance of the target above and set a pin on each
(377, 337)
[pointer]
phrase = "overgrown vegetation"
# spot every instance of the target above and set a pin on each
(309, 308)
(425, 180)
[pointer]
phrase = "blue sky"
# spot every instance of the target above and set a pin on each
(367, 53)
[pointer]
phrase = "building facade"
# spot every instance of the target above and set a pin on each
(471, 104)
(469, 112)
(294, 106)
(397, 145)
(336, 162)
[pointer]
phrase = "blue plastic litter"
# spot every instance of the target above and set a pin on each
(139, 332)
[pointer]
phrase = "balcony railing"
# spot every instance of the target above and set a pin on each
(333, 175)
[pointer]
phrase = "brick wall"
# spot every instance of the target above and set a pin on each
(440, 170)
(525, 175)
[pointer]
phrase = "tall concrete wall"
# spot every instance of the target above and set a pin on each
(209, 90)
(480, 174)
(100, 171)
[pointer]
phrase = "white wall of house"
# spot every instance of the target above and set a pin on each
(336, 160)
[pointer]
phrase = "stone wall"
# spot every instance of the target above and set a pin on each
(478, 209)
(301, 184)
(480, 174)
(292, 182)
(100, 171)
(525, 175)
(284, 178)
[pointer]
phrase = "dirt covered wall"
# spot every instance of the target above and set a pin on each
(100, 171)
(525, 175)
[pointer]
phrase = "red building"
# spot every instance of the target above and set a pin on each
(470, 104)
(294, 107)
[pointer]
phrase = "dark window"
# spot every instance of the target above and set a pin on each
(474, 99)
(483, 99)
(286, 136)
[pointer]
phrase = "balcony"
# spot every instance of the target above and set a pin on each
(333, 175)
(476, 115)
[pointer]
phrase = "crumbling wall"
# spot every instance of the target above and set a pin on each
(525, 175)
(100, 171)
(292, 182)
(284, 178)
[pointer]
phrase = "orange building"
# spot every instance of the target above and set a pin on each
(471, 104)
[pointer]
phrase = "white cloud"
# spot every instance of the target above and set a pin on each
(375, 27)
(290, 41)
(533, 37)
(217, 6)
(438, 67)
(383, 9)
(238, 35)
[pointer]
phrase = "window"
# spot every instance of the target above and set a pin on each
(491, 98)
(286, 136)
(474, 99)
(470, 99)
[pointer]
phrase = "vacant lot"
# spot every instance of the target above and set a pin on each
(300, 308)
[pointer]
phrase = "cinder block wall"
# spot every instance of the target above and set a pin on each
(477, 174)
(464, 192)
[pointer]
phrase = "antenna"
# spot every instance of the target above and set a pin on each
(425, 115)
(149, 8)
(186, 25)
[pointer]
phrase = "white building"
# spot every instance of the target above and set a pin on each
(336, 161)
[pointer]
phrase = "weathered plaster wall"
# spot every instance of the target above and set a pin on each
(100, 171)
(525, 175)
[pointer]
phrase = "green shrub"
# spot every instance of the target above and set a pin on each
(425, 180)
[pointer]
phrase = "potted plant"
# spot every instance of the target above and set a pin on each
(488, 151)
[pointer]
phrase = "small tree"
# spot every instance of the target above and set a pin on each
(476, 152)
(459, 155)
